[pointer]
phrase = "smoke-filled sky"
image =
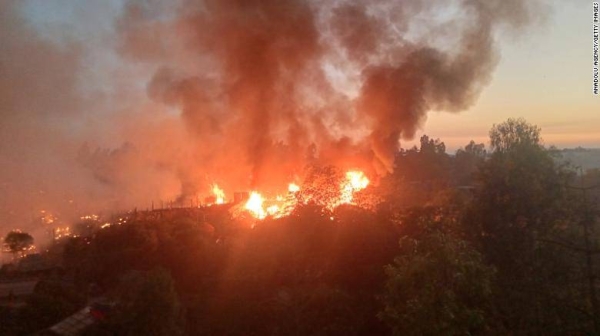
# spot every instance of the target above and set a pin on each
(108, 105)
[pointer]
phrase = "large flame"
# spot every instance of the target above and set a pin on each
(219, 194)
(273, 210)
(255, 205)
(260, 207)
(293, 188)
(355, 181)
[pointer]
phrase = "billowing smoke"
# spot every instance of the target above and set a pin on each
(53, 130)
(248, 76)
(37, 94)
(244, 93)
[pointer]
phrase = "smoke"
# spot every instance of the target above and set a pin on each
(37, 96)
(248, 76)
(47, 114)
(244, 93)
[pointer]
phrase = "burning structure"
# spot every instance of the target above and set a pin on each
(278, 86)
(238, 95)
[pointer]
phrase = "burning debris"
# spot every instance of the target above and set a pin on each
(327, 191)
(255, 205)
(250, 92)
(61, 232)
(219, 194)
(355, 181)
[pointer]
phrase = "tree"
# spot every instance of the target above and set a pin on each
(321, 185)
(514, 133)
(147, 304)
(419, 174)
(438, 285)
(521, 202)
(518, 193)
(17, 242)
(466, 162)
(51, 302)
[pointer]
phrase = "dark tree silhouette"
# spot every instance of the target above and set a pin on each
(17, 242)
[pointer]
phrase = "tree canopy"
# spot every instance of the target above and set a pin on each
(17, 242)
(499, 241)
(437, 285)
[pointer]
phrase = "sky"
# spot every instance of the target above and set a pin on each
(114, 104)
(544, 76)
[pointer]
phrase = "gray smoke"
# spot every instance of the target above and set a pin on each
(244, 93)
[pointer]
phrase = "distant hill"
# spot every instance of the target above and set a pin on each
(587, 158)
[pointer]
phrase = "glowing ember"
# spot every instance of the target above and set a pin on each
(255, 205)
(355, 181)
(273, 210)
(62, 232)
(279, 206)
(219, 194)
(293, 188)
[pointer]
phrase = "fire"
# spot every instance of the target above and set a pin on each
(273, 210)
(219, 194)
(255, 205)
(278, 206)
(355, 181)
(61, 232)
(293, 188)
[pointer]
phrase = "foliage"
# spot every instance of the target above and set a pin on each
(513, 135)
(419, 174)
(467, 161)
(499, 242)
(321, 186)
(147, 304)
(521, 203)
(17, 242)
(51, 302)
(438, 285)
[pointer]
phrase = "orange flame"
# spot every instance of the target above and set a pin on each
(255, 205)
(219, 194)
(273, 210)
(293, 188)
(355, 181)
(260, 207)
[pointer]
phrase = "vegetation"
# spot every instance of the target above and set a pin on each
(440, 279)
(147, 305)
(499, 242)
(17, 242)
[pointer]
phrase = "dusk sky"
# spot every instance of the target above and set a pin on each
(543, 75)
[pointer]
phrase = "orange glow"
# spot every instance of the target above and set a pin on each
(293, 188)
(355, 181)
(273, 210)
(255, 205)
(279, 206)
(219, 194)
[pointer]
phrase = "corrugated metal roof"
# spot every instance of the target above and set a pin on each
(74, 324)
